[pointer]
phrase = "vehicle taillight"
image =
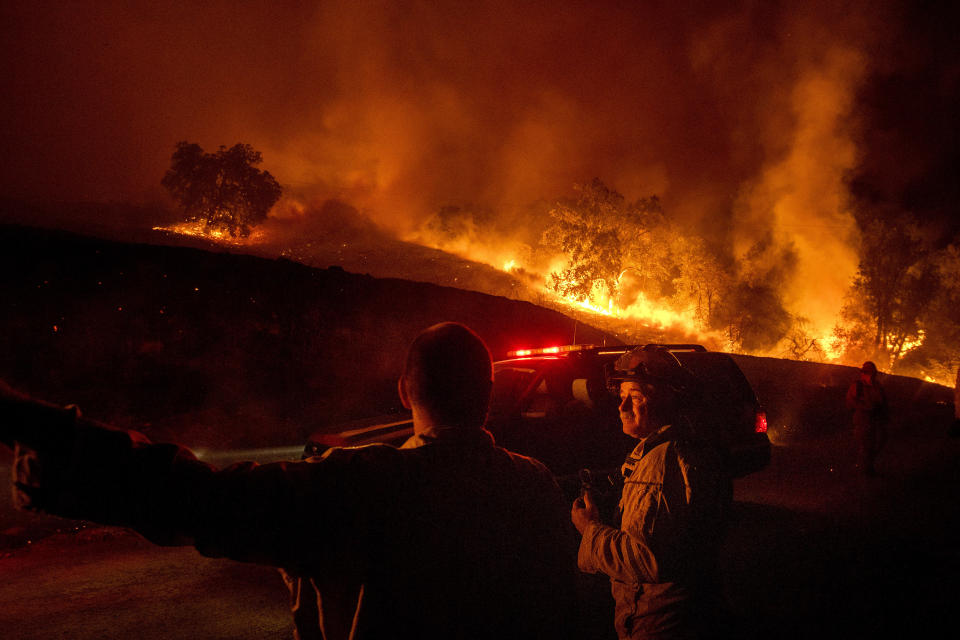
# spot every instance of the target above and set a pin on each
(760, 425)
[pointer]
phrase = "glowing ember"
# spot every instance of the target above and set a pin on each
(201, 230)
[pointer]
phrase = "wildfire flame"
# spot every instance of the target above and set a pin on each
(656, 318)
(830, 351)
(909, 345)
(201, 230)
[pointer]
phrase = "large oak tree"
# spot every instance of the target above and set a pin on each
(224, 190)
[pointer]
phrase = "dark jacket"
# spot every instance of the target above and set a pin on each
(456, 538)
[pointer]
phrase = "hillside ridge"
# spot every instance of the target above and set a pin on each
(190, 343)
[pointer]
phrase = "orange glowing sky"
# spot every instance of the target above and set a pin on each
(410, 104)
(746, 118)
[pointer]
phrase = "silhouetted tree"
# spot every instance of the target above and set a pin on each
(800, 344)
(895, 281)
(601, 235)
(224, 190)
(701, 282)
(751, 310)
(939, 355)
(754, 317)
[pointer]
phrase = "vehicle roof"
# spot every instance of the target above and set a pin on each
(575, 350)
(715, 369)
(594, 353)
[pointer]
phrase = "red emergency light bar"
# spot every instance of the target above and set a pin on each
(519, 353)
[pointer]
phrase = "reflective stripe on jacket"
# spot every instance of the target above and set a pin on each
(662, 559)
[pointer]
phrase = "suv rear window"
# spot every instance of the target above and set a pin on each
(509, 386)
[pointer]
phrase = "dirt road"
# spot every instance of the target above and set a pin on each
(815, 551)
(109, 584)
(818, 551)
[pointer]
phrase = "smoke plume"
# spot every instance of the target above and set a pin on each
(746, 118)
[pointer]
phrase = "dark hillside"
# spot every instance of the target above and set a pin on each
(222, 349)
(199, 346)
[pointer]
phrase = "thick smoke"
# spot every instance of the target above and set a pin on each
(746, 118)
(801, 197)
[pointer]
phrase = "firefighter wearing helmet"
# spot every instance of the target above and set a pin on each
(871, 412)
(662, 558)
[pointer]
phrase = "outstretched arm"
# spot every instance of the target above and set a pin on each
(285, 514)
(32, 422)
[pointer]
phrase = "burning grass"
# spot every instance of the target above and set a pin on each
(509, 266)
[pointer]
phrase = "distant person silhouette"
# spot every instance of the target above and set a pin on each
(870, 415)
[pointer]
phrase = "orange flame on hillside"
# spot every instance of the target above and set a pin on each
(634, 317)
(622, 316)
(201, 230)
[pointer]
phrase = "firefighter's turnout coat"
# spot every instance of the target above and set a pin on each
(662, 559)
